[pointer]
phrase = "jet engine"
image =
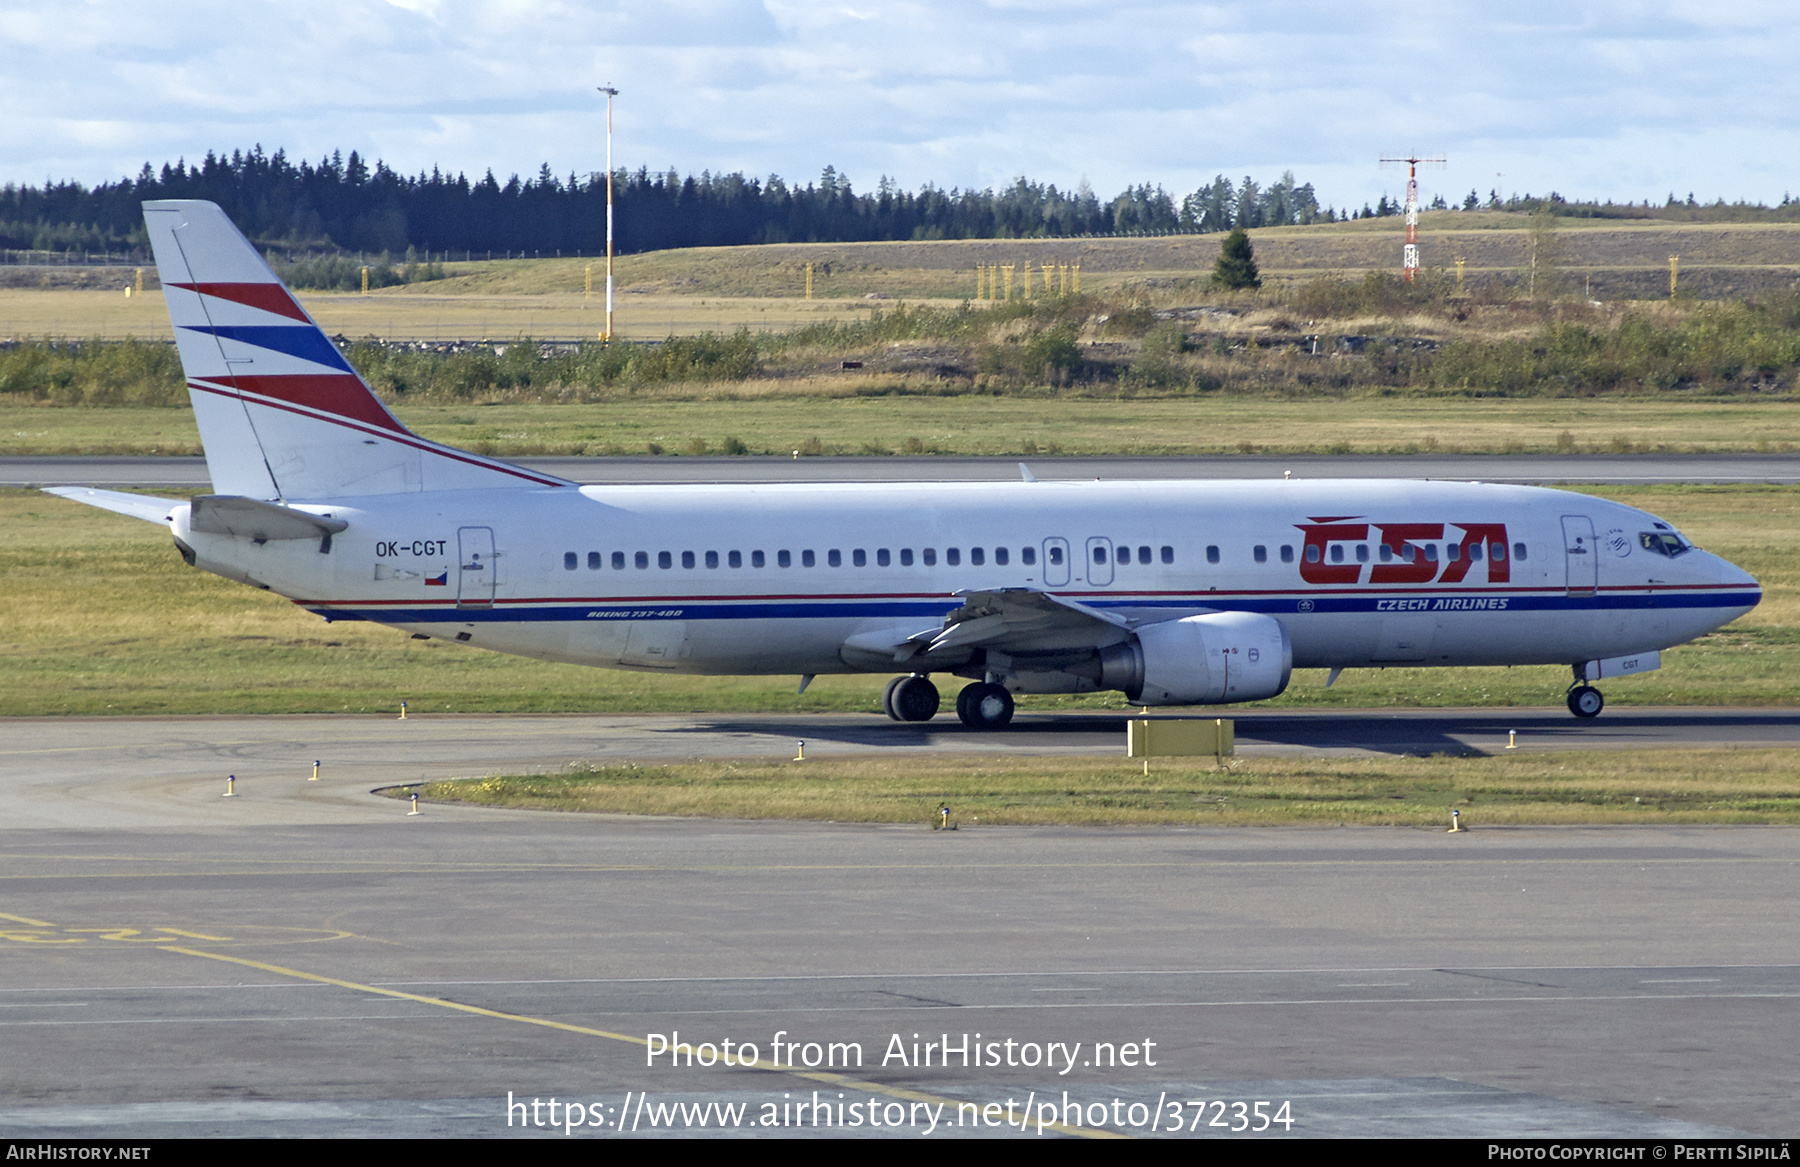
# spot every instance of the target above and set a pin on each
(1201, 660)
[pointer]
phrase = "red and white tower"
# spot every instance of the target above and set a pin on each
(1409, 257)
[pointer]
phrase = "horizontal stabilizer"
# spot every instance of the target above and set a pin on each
(249, 518)
(139, 506)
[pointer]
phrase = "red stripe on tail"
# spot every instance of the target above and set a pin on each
(268, 297)
(341, 393)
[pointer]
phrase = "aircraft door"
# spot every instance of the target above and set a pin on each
(1099, 561)
(1056, 562)
(1579, 552)
(475, 567)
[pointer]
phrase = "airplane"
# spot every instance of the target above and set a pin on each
(1172, 593)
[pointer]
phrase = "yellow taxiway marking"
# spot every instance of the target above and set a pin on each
(827, 1079)
(135, 936)
(41, 932)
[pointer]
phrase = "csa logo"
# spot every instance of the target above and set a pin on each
(1617, 540)
(1306, 605)
(1323, 559)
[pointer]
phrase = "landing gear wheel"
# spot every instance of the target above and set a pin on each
(915, 699)
(984, 706)
(1586, 701)
(887, 698)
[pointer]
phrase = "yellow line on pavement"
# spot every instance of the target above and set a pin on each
(827, 1079)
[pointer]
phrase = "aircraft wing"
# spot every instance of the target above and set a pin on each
(139, 506)
(1017, 620)
(1010, 620)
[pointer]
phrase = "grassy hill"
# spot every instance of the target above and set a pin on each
(1625, 260)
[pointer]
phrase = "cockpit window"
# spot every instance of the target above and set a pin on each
(1665, 543)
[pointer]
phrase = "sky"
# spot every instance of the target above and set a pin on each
(1626, 100)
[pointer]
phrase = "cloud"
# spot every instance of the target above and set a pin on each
(1625, 99)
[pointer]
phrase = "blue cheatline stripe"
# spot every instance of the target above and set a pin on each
(299, 340)
(677, 609)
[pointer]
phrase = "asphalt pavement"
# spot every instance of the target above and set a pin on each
(308, 959)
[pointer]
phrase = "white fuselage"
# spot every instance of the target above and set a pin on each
(748, 579)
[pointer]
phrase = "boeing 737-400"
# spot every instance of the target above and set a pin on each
(1173, 593)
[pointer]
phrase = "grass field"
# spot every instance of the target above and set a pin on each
(1156, 362)
(778, 417)
(109, 620)
(723, 288)
(408, 314)
(1639, 787)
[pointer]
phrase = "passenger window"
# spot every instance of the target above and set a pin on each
(806, 558)
(642, 559)
(906, 557)
(1168, 554)
(881, 557)
(1259, 553)
(1452, 552)
(734, 559)
(1475, 552)
(1028, 556)
(687, 560)
(1000, 556)
(1212, 554)
(1431, 555)
(593, 561)
(1287, 553)
(569, 561)
(1337, 553)
(930, 556)
(952, 556)
(756, 559)
(712, 559)
(1410, 552)
(1100, 553)
(1497, 552)
(859, 557)
(1055, 555)
(977, 557)
(1387, 553)
(1144, 555)
(834, 558)
(1362, 553)
(1312, 553)
(665, 560)
(618, 561)
(784, 559)
(1519, 552)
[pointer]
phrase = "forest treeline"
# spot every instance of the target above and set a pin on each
(344, 203)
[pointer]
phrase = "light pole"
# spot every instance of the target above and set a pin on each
(610, 94)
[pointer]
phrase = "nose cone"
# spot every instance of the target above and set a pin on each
(1741, 583)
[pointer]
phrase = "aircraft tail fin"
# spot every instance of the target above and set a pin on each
(282, 414)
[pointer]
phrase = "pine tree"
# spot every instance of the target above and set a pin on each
(1237, 264)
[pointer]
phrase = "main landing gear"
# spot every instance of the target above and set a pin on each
(912, 698)
(982, 705)
(1584, 700)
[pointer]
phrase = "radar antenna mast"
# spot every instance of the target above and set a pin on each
(1409, 258)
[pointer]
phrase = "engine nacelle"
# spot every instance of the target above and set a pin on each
(1202, 660)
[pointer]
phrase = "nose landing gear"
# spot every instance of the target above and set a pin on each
(1585, 701)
